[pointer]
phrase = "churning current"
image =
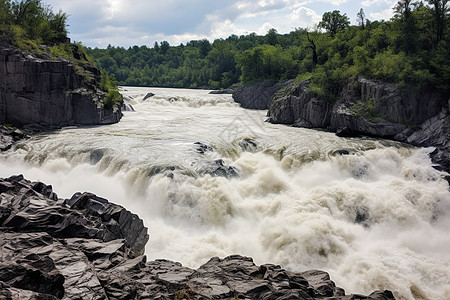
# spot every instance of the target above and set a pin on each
(212, 179)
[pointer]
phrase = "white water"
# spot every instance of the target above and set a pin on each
(375, 219)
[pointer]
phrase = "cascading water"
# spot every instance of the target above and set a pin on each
(372, 213)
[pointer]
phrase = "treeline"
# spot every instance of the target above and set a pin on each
(411, 49)
(28, 24)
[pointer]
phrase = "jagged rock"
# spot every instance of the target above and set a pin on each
(217, 168)
(88, 248)
(37, 89)
(202, 148)
(8, 136)
(295, 105)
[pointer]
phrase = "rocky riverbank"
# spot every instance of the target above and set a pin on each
(365, 107)
(88, 248)
(38, 88)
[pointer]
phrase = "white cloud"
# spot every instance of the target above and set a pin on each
(305, 17)
(127, 22)
(368, 3)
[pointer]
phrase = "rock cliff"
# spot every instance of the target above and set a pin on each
(258, 95)
(88, 248)
(37, 88)
(370, 107)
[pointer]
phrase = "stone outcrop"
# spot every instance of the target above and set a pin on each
(88, 248)
(370, 107)
(41, 89)
(294, 105)
(258, 95)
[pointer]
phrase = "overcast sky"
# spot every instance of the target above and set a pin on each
(97, 23)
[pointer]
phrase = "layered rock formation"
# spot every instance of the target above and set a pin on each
(88, 248)
(41, 89)
(370, 107)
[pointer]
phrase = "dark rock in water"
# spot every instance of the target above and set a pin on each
(96, 156)
(202, 148)
(347, 132)
(223, 170)
(341, 152)
(88, 248)
(217, 168)
(149, 95)
(248, 145)
(9, 136)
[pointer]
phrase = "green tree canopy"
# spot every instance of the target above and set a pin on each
(334, 22)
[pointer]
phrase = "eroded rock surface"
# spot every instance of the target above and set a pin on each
(88, 248)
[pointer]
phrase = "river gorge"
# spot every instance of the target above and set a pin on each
(210, 178)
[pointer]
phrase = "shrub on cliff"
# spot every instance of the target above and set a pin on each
(29, 23)
(108, 84)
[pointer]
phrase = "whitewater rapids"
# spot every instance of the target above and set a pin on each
(374, 214)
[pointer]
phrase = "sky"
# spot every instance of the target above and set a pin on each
(125, 23)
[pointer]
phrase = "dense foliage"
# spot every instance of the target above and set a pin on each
(29, 23)
(412, 50)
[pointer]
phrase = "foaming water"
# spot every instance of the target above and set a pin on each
(373, 213)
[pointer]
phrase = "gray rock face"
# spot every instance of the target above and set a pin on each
(88, 248)
(256, 96)
(294, 105)
(370, 107)
(36, 89)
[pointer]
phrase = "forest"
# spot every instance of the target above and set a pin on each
(412, 49)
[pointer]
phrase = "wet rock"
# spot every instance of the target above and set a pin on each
(249, 145)
(347, 132)
(96, 156)
(9, 136)
(149, 95)
(88, 248)
(202, 148)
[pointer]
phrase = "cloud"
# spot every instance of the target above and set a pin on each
(127, 22)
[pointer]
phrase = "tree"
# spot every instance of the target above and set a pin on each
(313, 48)
(334, 22)
(403, 9)
(164, 47)
(156, 47)
(440, 12)
(361, 18)
(271, 37)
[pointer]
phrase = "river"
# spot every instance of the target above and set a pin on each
(372, 213)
